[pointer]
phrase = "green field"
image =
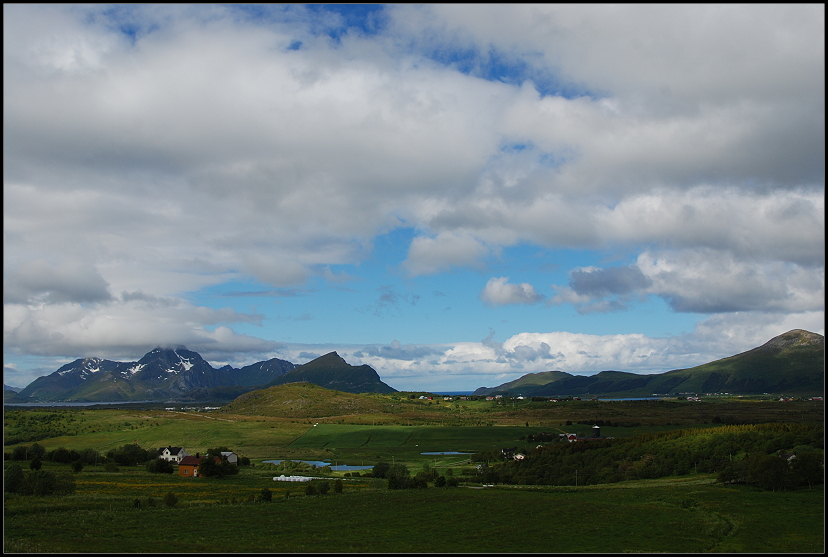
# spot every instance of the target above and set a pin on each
(108, 429)
(680, 513)
(688, 514)
(414, 439)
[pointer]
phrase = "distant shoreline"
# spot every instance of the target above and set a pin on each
(454, 393)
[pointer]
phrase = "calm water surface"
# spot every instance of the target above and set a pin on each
(320, 464)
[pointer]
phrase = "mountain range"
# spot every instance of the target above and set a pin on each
(791, 363)
(179, 374)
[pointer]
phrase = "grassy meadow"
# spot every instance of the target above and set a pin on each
(688, 514)
(684, 513)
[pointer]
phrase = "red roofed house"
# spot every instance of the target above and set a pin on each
(188, 467)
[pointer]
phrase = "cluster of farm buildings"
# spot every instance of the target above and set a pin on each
(188, 464)
(511, 454)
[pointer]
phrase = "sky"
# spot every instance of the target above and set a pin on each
(455, 195)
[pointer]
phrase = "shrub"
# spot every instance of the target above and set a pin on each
(208, 467)
(324, 488)
(129, 455)
(43, 482)
(380, 469)
(37, 451)
(170, 499)
(338, 486)
(160, 466)
(807, 469)
(61, 454)
(13, 478)
(35, 464)
(20, 453)
(266, 495)
(77, 466)
(310, 489)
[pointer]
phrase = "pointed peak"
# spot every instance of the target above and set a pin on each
(331, 358)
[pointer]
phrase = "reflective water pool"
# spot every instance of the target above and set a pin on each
(320, 464)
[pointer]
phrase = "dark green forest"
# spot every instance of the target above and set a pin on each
(772, 456)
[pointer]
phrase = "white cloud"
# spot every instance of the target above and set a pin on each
(201, 149)
(499, 292)
(125, 328)
(446, 250)
(785, 225)
(710, 281)
(66, 281)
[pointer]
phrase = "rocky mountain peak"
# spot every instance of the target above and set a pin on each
(795, 337)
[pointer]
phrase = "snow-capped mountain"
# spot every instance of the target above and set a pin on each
(161, 374)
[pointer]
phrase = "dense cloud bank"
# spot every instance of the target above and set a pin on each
(153, 151)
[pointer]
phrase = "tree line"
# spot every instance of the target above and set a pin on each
(399, 476)
(772, 456)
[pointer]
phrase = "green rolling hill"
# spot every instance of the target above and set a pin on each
(792, 363)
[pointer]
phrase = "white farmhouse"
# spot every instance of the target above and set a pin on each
(172, 454)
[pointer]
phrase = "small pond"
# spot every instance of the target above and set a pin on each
(320, 464)
(634, 398)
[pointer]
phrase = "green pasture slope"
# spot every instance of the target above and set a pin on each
(363, 444)
(686, 514)
(413, 439)
(105, 429)
(358, 444)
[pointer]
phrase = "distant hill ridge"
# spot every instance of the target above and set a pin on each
(332, 372)
(179, 374)
(306, 400)
(791, 363)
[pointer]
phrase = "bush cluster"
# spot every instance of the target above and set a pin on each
(209, 467)
(160, 466)
(37, 482)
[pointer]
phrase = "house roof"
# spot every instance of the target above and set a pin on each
(173, 450)
(190, 461)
